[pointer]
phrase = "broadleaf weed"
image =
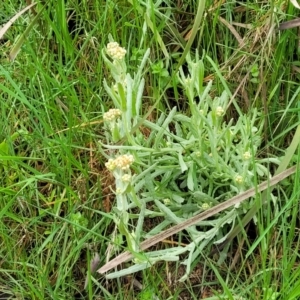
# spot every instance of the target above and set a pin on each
(186, 164)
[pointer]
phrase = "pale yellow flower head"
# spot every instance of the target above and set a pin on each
(112, 114)
(205, 206)
(239, 179)
(247, 155)
(110, 165)
(219, 111)
(126, 178)
(115, 51)
(167, 201)
(124, 161)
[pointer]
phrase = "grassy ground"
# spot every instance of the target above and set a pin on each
(57, 208)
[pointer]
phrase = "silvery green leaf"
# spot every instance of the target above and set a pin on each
(139, 96)
(190, 179)
(179, 132)
(129, 99)
(142, 65)
(261, 170)
(112, 95)
(228, 218)
(133, 269)
(195, 249)
(171, 251)
(273, 160)
(157, 229)
(169, 214)
(182, 118)
(200, 196)
(182, 164)
(178, 199)
(163, 128)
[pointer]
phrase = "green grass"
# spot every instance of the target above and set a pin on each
(56, 208)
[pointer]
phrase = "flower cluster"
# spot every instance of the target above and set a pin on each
(122, 162)
(115, 51)
(247, 155)
(239, 179)
(167, 201)
(219, 111)
(112, 114)
(126, 178)
(205, 206)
